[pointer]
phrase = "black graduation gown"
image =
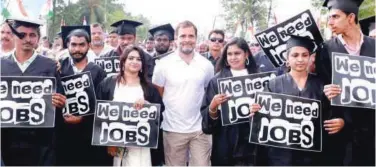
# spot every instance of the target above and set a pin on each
(74, 140)
(149, 60)
(359, 123)
(105, 91)
(313, 89)
(230, 143)
(30, 146)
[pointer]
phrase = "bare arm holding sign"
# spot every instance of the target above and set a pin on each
(332, 91)
(58, 100)
(216, 101)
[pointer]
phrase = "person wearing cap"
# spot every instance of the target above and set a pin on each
(78, 150)
(126, 30)
(163, 37)
(29, 146)
(6, 40)
(216, 43)
(299, 82)
(112, 39)
(98, 46)
(360, 122)
(181, 79)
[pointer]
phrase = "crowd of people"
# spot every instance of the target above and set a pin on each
(169, 68)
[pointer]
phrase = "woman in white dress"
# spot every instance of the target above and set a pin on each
(131, 86)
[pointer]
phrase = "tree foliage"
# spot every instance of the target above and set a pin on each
(247, 12)
(104, 12)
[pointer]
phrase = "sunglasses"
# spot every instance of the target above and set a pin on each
(217, 39)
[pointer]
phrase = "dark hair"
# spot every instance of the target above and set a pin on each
(242, 44)
(78, 33)
(97, 25)
(15, 26)
(150, 38)
(217, 31)
(356, 16)
(142, 74)
(185, 24)
(113, 32)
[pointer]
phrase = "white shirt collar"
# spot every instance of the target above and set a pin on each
(340, 38)
(75, 69)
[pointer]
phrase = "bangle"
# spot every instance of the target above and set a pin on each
(212, 112)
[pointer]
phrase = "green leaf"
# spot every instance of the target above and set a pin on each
(367, 9)
(5, 13)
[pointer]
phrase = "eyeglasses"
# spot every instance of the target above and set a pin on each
(216, 39)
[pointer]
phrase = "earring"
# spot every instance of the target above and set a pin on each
(247, 61)
(287, 64)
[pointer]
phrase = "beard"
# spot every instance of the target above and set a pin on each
(187, 50)
(78, 57)
(162, 49)
(97, 43)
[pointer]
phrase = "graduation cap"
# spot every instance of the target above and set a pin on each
(58, 34)
(126, 26)
(351, 6)
(165, 29)
(305, 42)
(17, 22)
(66, 30)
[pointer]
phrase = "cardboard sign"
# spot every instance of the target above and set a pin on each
(80, 92)
(286, 121)
(356, 77)
(273, 40)
(27, 102)
(111, 65)
(242, 90)
(119, 124)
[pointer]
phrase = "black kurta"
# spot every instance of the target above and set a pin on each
(105, 91)
(148, 59)
(359, 123)
(30, 146)
(313, 89)
(230, 143)
(74, 140)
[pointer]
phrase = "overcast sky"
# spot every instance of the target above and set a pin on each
(201, 12)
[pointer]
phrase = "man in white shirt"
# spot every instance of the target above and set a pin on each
(98, 46)
(181, 78)
(6, 40)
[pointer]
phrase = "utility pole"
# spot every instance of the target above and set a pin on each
(270, 11)
(215, 19)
